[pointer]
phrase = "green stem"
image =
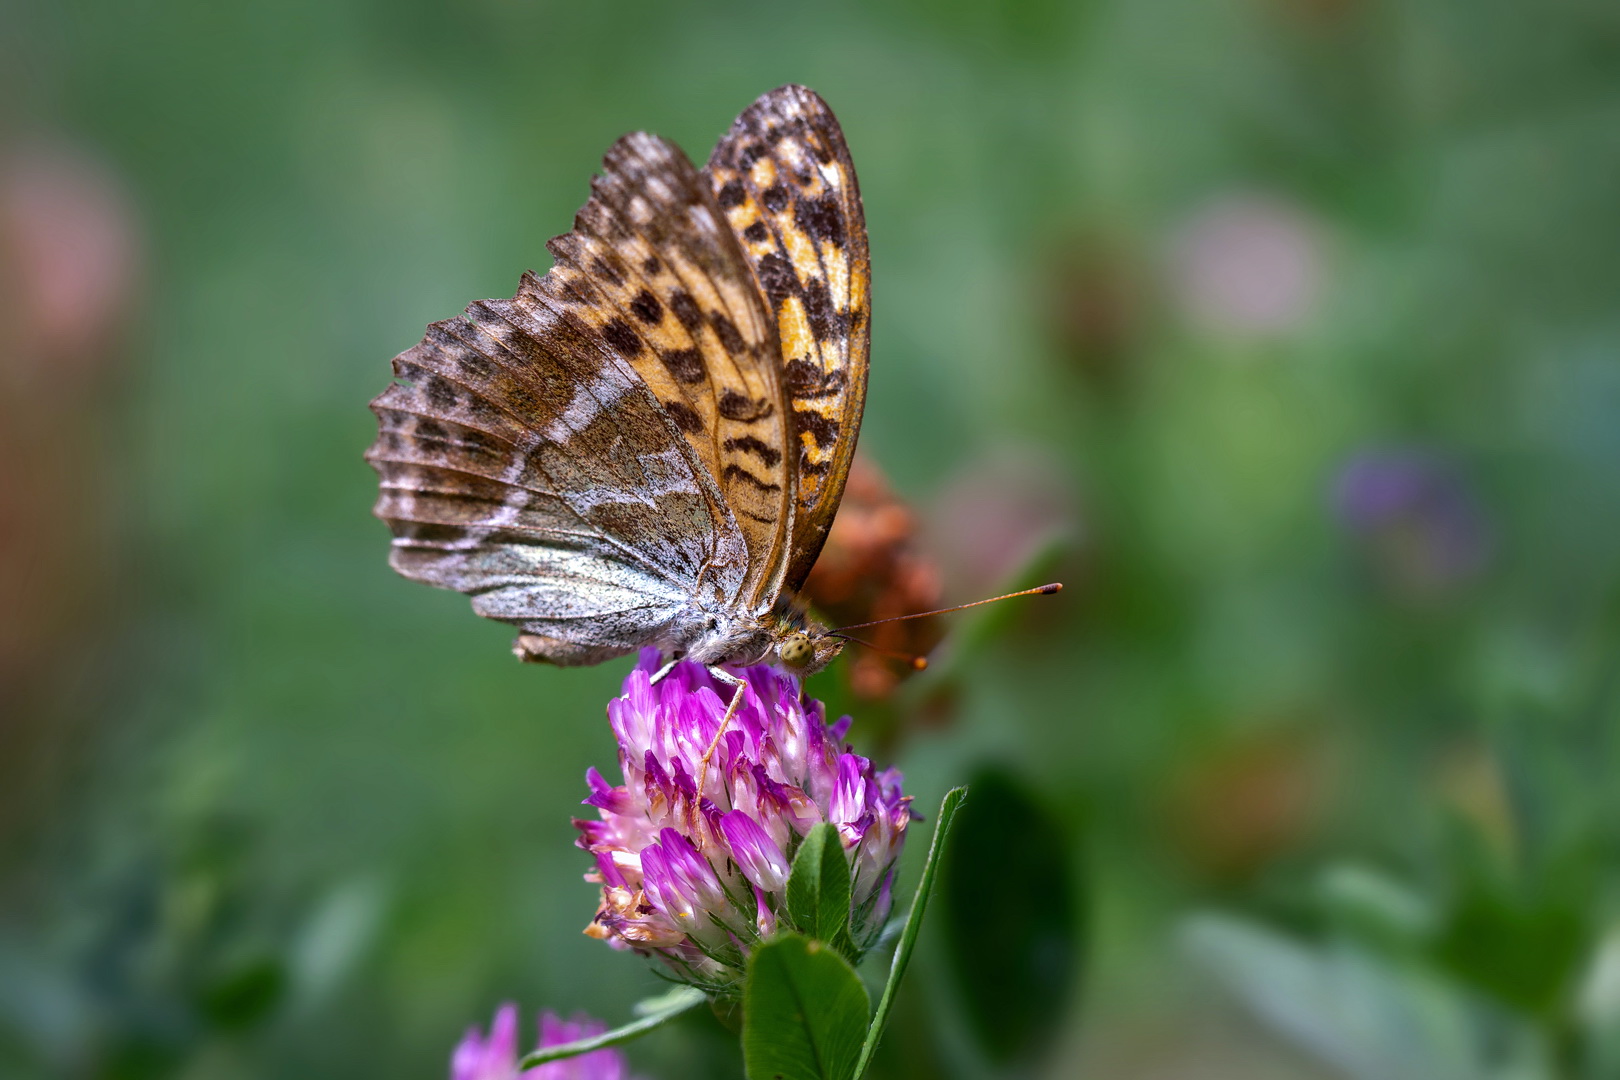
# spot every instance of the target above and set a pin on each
(908, 937)
(670, 1006)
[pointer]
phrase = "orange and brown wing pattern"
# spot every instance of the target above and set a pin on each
(653, 267)
(586, 458)
(784, 180)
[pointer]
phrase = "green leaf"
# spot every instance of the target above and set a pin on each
(245, 995)
(1370, 907)
(1522, 941)
(818, 889)
(1015, 958)
(654, 1012)
(908, 937)
(804, 1010)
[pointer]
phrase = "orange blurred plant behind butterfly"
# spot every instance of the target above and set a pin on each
(871, 568)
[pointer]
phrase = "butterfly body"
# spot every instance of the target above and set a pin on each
(717, 638)
(646, 446)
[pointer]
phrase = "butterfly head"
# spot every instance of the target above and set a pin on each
(805, 650)
(785, 638)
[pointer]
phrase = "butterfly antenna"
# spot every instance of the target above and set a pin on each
(918, 663)
(1039, 590)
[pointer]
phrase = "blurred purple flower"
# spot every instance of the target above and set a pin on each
(496, 1057)
(1414, 507)
(693, 854)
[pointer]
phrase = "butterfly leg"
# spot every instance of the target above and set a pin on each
(658, 676)
(725, 721)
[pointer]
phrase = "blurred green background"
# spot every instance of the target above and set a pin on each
(1284, 331)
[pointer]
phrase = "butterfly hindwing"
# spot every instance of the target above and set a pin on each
(784, 179)
(524, 462)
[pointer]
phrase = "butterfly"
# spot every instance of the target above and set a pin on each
(646, 447)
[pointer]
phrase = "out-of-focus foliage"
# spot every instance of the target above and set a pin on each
(1012, 918)
(1285, 332)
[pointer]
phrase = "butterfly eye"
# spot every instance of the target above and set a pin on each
(796, 650)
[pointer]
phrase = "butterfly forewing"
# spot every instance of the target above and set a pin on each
(653, 266)
(784, 179)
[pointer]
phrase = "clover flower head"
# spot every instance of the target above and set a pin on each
(496, 1057)
(693, 850)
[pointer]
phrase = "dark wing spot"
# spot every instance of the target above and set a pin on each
(768, 454)
(756, 233)
(777, 277)
(650, 265)
(734, 406)
(686, 365)
(430, 429)
(805, 379)
(825, 322)
(822, 218)
(730, 194)
(686, 310)
(618, 334)
(477, 368)
(441, 395)
(482, 411)
(580, 291)
(812, 468)
(750, 154)
(601, 269)
(822, 428)
(738, 472)
(429, 534)
(726, 330)
(477, 440)
(685, 417)
(775, 198)
(647, 308)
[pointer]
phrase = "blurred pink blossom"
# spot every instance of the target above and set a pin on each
(496, 1056)
(997, 516)
(1248, 263)
(70, 256)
